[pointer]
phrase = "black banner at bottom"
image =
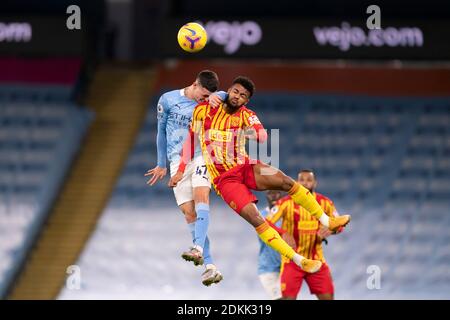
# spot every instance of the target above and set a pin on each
(224, 309)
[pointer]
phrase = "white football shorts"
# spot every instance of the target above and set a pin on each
(195, 175)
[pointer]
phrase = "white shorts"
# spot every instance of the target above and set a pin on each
(271, 283)
(195, 175)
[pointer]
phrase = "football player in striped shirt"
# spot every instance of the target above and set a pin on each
(308, 234)
(222, 133)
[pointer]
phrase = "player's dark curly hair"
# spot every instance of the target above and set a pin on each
(209, 80)
(246, 83)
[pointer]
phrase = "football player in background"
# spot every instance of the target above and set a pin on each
(308, 235)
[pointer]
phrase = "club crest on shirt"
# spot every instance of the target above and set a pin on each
(252, 120)
(274, 210)
(160, 110)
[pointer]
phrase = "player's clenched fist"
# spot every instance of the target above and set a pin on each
(175, 179)
(324, 233)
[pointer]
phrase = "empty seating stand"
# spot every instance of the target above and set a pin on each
(40, 132)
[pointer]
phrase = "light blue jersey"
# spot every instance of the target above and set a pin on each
(268, 259)
(174, 116)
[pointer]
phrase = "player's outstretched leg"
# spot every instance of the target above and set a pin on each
(271, 237)
(201, 198)
(195, 253)
(270, 178)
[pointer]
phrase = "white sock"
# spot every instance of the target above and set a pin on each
(298, 259)
(325, 220)
(198, 248)
(210, 266)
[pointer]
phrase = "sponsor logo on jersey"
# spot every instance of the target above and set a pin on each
(308, 225)
(220, 136)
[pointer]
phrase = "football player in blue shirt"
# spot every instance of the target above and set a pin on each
(192, 192)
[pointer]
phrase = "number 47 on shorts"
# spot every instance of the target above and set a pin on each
(201, 170)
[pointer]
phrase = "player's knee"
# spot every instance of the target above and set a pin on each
(201, 195)
(189, 215)
(252, 215)
(201, 199)
(256, 219)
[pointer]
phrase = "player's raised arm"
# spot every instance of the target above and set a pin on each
(158, 172)
(216, 98)
(161, 137)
